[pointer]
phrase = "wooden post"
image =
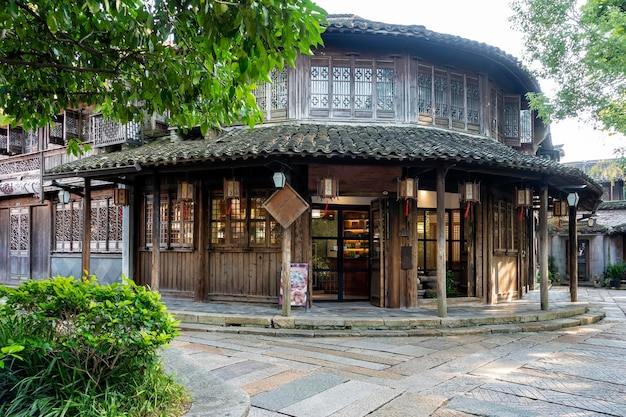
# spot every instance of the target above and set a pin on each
(201, 230)
(285, 278)
(156, 233)
(543, 249)
(412, 290)
(573, 255)
(442, 307)
(86, 249)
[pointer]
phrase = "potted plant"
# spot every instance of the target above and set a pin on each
(614, 274)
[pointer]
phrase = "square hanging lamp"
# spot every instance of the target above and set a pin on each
(470, 192)
(328, 188)
(232, 189)
(407, 188)
(523, 197)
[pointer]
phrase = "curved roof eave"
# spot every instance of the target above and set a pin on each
(374, 142)
(350, 23)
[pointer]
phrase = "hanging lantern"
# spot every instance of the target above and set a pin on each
(232, 189)
(523, 197)
(120, 197)
(185, 191)
(470, 192)
(559, 208)
(328, 188)
(407, 188)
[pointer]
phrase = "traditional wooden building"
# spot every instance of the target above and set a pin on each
(412, 153)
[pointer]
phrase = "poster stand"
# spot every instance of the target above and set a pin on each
(299, 277)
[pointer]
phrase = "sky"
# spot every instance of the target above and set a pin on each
(483, 21)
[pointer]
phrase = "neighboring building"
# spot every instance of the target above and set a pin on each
(407, 145)
(601, 233)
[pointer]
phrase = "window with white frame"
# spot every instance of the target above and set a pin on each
(352, 87)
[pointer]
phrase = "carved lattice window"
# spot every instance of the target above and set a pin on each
(105, 222)
(319, 87)
(352, 87)
(176, 222)
(442, 101)
(526, 126)
(272, 97)
(457, 97)
(425, 90)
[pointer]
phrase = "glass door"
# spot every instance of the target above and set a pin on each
(341, 243)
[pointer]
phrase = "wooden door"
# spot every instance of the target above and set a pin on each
(4, 245)
(379, 212)
(19, 248)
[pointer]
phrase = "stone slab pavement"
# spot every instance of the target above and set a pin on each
(570, 371)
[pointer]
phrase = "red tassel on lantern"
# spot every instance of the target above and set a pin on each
(467, 209)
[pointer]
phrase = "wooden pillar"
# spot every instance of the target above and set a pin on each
(285, 279)
(412, 295)
(543, 249)
(442, 308)
(156, 232)
(86, 249)
(573, 254)
(203, 244)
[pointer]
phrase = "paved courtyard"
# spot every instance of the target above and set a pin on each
(578, 371)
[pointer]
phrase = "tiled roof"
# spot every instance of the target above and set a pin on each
(365, 141)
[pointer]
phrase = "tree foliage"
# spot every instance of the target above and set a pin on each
(196, 59)
(581, 47)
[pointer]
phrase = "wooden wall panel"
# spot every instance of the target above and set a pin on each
(244, 275)
(354, 180)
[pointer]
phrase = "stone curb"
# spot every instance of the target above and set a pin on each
(390, 327)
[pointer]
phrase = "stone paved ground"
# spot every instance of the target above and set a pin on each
(579, 371)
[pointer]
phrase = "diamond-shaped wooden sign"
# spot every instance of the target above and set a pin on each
(285, 205)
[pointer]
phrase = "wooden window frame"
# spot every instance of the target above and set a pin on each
(177, 220)
(232, 223)
(342, 86)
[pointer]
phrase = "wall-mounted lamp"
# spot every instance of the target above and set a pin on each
(591, 222)
(279, 179)
(470, 192)
(573, 199)
(64, 196)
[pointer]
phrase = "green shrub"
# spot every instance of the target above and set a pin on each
(614, 273)
(87, 349)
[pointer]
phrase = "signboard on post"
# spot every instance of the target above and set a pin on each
(285, 205)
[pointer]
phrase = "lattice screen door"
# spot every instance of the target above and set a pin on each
(19, 254)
